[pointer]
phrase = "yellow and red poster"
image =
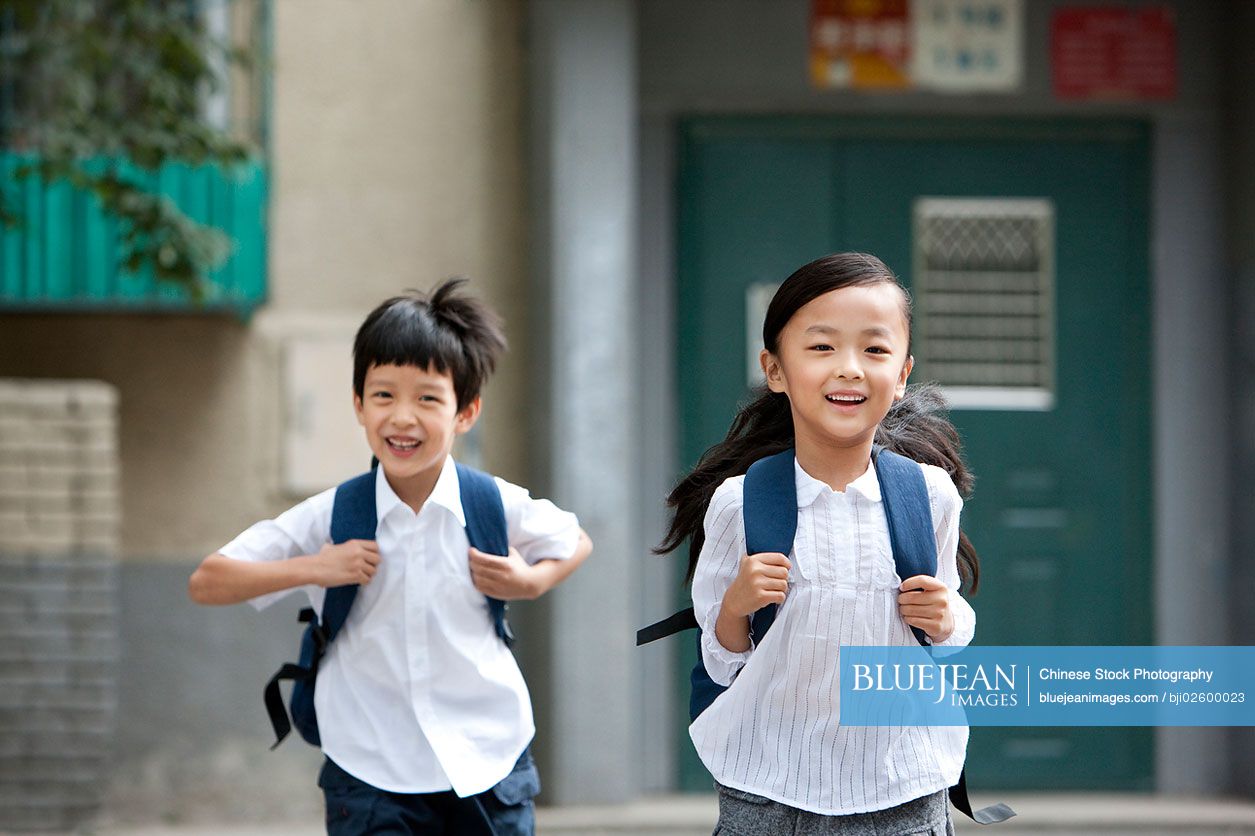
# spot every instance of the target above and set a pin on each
(860, 43)
(953, 46)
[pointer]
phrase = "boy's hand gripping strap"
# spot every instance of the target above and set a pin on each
(486, 530)
(353, 517)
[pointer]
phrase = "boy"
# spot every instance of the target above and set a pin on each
(422, 711)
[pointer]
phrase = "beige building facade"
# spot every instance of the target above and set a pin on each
(395, 161)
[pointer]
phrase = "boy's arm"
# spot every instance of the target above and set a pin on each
(224, 580)
(550, 573)
(511, 578)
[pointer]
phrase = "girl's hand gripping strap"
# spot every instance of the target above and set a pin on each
(905, 496)
(769, 511)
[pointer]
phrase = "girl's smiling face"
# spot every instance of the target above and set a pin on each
(842, 361)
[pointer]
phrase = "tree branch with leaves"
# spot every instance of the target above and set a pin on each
(101, 94)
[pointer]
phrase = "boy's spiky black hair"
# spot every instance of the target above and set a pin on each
(444, 329)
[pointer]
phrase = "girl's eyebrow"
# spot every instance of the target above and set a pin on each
(874, 331)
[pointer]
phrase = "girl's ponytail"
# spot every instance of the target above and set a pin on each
(762, 427)
(917, 427)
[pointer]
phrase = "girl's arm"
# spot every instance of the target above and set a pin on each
(761, 579)
(733, 631)
(225, 580)
(725, 639)
(964, 622)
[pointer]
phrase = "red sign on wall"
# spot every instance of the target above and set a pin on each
(1114, 53)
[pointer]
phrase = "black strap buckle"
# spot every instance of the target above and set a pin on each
(319, 632)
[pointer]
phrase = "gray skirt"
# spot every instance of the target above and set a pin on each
(746, 814)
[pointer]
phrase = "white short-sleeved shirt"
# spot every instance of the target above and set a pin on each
(417, 693)
(775, 731)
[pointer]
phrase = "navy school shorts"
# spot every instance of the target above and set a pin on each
(355, 808)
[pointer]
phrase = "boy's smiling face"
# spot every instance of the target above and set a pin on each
(411, 418)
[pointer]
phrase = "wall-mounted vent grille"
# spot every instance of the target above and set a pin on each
(984, 297)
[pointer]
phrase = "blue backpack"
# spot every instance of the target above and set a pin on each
(354, 517)
(769, 511)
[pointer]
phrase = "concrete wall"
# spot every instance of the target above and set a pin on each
(743, 56)
(582, 83)
(395, 162)
(1239, 172)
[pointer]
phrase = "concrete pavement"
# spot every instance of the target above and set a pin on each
(694, 815)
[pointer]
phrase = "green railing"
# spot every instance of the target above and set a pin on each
(64, 255)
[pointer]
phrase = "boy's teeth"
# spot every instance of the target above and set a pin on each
(404, 445)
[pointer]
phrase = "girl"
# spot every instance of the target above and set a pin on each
(837, 356)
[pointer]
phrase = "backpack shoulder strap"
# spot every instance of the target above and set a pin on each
(353, 517)
(769, 512)
(905, 496)
(770, 504)
(486, 530)
(485, 515)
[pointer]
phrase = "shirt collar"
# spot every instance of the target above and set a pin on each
(447, 493)
(808, 487)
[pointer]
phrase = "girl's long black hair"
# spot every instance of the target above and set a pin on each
(916, 426)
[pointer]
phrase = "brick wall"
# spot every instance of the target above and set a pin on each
(59, 520)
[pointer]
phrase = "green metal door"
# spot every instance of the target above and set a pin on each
(1061, 512)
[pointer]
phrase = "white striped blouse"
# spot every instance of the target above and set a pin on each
(774, 732)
